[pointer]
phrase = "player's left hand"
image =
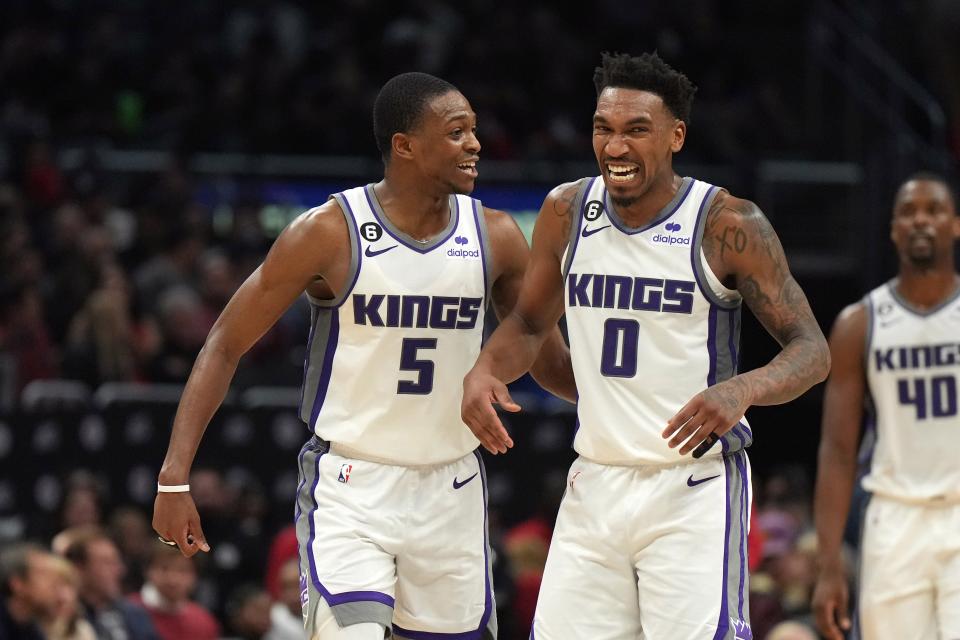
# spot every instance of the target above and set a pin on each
(480, 392)
(709, 414)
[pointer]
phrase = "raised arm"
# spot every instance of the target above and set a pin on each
(552, 369)
(837, 465)
(304, 252)
(514, 346)
(742, 248)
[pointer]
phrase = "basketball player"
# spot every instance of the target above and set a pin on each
(897, 351)
(391, 515)
(651, 536)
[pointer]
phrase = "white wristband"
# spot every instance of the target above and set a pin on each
(172, 488)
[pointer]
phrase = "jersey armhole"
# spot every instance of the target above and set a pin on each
(486, 253)
(586, 184)
(354, 271)
(868, 334)
(708, 282)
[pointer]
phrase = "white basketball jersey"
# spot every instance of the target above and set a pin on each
(649, 324)
(913, 368)
(386, 359)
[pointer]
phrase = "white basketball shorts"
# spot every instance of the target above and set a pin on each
(405, 547)
(658, 553)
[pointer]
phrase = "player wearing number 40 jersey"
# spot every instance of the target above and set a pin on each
(897, 354)
(651, 268)
(391, 511)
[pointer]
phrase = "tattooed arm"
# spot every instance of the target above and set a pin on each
(743, 250)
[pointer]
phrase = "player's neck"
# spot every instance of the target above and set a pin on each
(417, 213)
(925, 289)
(642, 210)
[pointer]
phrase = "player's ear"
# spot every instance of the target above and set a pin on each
(679, 135)
(401, 146)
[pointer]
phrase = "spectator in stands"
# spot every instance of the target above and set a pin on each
(28, 591)
(24, 335)
(286, 617)
(68, 622)
(130, 530)
(248, 612)
(105, 342)
(101, 570)
(83, 501)
(171, 578)
(283, 547)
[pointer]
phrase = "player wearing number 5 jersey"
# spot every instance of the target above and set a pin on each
(391, 510)
(651, 269)
(896, 357)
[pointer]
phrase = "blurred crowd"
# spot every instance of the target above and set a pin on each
(256, 76)
(104, 287)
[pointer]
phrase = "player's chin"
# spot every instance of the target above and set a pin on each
(462, 185)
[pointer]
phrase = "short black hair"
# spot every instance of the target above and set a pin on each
(927, 175)
(400, 104)
(647, 72)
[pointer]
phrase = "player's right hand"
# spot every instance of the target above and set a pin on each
(480, 392)
(175, 518)
(830, 603)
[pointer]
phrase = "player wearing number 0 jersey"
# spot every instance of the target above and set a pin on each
(391, 506)
(638, 302)
(897, 367)
(651, 269)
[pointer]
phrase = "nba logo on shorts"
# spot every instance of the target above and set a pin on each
(345, 470)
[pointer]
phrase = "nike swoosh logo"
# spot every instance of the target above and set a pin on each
(692, 483)
(371, 253)
(586, 233)
(457, 485)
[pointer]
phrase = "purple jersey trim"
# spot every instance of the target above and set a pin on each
(327, 368)
(356, 276)
(454, 214)
(618, 223)
(711, 346)
(565, 269)
(306, 361)
(483, 255)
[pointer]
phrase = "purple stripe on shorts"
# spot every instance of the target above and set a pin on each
(488, 588)
(433, 635)
(742, 467)
(354, 596)
(296, 508)
(347, 596)
(723, 623)
(313, 496)
(473, 634)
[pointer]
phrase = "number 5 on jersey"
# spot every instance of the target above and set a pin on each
(410, 361)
